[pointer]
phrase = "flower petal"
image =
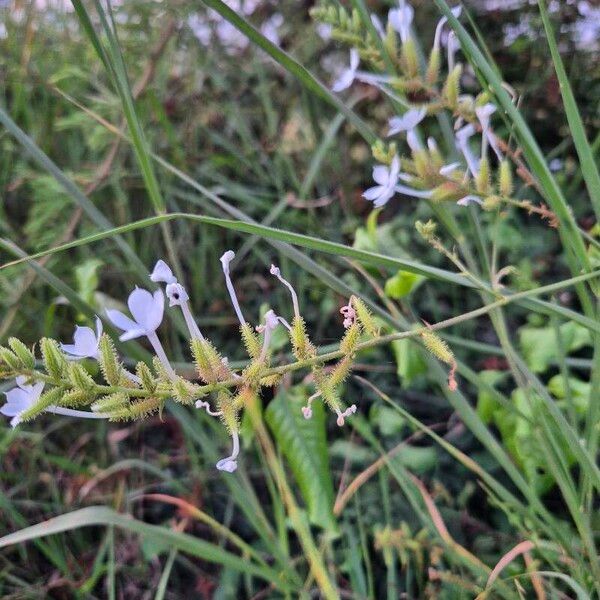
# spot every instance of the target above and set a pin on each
(381, 174)
(162, 272)
(143, 307)
(118, 319)
(470, 199)
(374, 192)
(132, 334)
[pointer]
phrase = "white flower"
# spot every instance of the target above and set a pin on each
(462, 142)
(324, 31)
(409, 120)
(470, 199)
(162, 272)
(85, 342)
(484, 114)
(147, 310)
(346, 79)
(271, 323)
(438, 30)
(176, 294)
(277, 273)
(229, 463)
(20, 398)
(386, 179)
(401, 19)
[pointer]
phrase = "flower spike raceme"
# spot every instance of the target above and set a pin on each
(177, 296)
(147, 310)
(85, 342)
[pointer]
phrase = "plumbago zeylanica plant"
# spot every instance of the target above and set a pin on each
(65, 387)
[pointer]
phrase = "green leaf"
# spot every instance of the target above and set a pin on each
(304, 445)
(101, 515)
(86, 275)
(539, 345)
(487, 403)
(409, 361)
(402, 284)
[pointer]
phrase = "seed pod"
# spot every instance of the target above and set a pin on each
(365, 317)
(251, 341)
(110, 366)
(54, 360)
(24, 354)
(49, 398)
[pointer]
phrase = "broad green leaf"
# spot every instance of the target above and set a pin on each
(409, 361)
(402, 284)
(304, 445)
(86, 276)
(539, 346)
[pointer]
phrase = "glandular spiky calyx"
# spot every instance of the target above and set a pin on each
(50, 398)
(147, 378)
(505, 179)
(9, 361)
(75, 398)
(229, 411)
(340, 372)
(365, 317)
(80, 379)
(22, 352)
(302, 347)
(111, 403)
(184, 391)
(251, 341)
(110, 366)
(138, 409)
(351, 338)
(209, 363)
(437, 346)
(451, 91)
(55, 361)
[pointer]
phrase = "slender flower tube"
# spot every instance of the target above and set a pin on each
(206, 406)
(307, 410)
(277, 272)
(147, 310)
(177, 296)
(229, 463)
(462, 142)
(271, 322)
(452, 47)
(449, 169)
(85, 342)
(440, 25)
(225, 260)
(484, 114)
(24, 396)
